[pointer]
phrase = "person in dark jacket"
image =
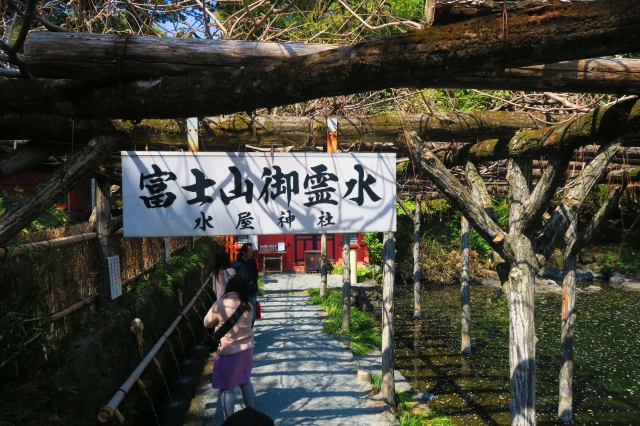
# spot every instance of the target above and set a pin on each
(246, 266)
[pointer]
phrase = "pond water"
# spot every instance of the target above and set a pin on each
(474, 390)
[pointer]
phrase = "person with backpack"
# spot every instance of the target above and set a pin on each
(234, 359)
(222, 273)
(246, 266)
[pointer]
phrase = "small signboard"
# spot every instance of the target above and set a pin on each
(280, 246)
(115, 280)
(167, 249)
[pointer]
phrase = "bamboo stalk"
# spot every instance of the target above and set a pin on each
(6, 252)
(107, 412)
(84, 302)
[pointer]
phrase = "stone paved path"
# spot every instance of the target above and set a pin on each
(301, 375)
(279, 283)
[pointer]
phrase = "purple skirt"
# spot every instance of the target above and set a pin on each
(230, 371)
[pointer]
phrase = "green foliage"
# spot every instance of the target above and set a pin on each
(362, 272)
(376, 379)
(52, 218)
(364, 335)
(435, 206)
(167, 278)
(627, 259)
(375, 247)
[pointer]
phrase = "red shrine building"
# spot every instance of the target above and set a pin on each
(295, 253)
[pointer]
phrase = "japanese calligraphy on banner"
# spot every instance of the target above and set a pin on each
(213, 193)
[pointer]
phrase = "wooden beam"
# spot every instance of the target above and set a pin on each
(227, 132)
(547, 34)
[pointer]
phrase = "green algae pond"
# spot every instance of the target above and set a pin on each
(474, 390)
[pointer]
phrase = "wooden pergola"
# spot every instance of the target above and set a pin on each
(131, 95)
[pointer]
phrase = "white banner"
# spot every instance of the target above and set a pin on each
(214, 193)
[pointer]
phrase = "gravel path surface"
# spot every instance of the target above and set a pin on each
(301, 375)
(282, 283)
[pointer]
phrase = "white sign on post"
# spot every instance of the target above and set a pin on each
(115, 280)
(213, 193)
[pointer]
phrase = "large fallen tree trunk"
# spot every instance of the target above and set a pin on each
(126, 57)
(115, 57)
(549, 33)
(23, 212)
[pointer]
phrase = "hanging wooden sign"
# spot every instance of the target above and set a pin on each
(195, 194)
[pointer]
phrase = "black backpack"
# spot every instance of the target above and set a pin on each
(248, 417)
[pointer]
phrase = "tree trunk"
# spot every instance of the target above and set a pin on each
(224, 133)
(105, 240)
(574, 243)
(346, 283)
(81, 165)
(522, 350)
(114, 57)
(565, 408)
(323, 266)
(414, 59)
(117, 57)
(24, 157)
(601, 124)
(387, 391)
(464, 296)
(417, 310)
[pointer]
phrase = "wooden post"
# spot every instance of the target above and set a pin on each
(464, 295)
(387, 392)
(323, 266)
(565, 407)
(105, 241)
(346, 283)
(417, 309)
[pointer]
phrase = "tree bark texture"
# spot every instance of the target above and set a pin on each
(522, 353)
(81, 165)
(387, 391)
(465, 313)
(574, 243)
(105, 240)
(522, 348)
(567, 210)
(453, 189)
(224, 133)
(24, 157)
(117, 57)
(417, 309)
(346, 283)
(323, 266)
(601, 124)
(128, 57)
(565, 407)
(546, 34)
(481, 195)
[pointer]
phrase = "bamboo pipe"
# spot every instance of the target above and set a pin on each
(58, 242)
(87, 301)
(107, 412)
